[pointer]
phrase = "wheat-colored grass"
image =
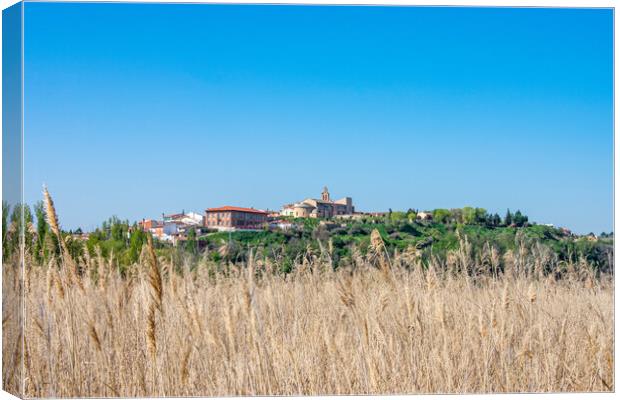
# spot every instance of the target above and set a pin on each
(387, 323)
(352, 331)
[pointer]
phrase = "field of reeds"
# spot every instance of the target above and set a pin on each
(389, 323)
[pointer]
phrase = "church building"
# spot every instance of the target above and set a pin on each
(324, 207)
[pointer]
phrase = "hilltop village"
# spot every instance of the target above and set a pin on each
(314, 225)
(174, 227)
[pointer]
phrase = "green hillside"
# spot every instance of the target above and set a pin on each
(341, 237)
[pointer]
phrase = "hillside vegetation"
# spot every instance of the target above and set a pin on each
(342, 239)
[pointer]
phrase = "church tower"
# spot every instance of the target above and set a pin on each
(325, 194)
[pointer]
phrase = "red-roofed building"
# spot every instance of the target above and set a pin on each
(230, 218)
(148, 224)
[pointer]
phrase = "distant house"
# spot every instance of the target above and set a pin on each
(424, 215)
(355, 216)
(233, 218)
(288, 210)
(156, 228)
(172, 228)
(148, 224)
(282, 224)
(79, 235)
(273, 214)
(158, 232)
(172, 225)
(190, 218)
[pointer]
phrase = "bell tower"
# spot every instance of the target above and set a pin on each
(325, 194)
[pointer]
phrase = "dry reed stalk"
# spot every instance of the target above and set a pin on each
(52, 220)
(185, 361)
(92, 332)
(506, 296)
(379, 252)
(345, 291)
(50, 212)
(155, 307)
(431, 278)
(155, 278)
(531, 293)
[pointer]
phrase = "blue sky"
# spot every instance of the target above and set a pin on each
(11, 106)
(138, 109)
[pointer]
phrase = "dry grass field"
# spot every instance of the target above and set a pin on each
(388, 324)
(366, 330)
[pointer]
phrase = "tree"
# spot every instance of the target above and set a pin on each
(497, 220)
(40, 250)
(469, 215)
(117, 230)
(6, 209)
(508, 218)
(137, 239)
(191, 245)
(519, 219)
(456, 215)
(412, 215)
(387, 218)
(75, 247)
(480, 215)
(441, 215)
(396, 216)
(21, 220)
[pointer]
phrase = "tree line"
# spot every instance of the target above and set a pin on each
(115, 238)
(465, 215)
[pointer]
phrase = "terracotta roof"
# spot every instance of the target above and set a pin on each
(174, 215)
(239, 209)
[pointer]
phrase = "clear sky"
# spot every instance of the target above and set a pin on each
(134, 110)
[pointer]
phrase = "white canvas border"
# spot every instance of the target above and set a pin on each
(472, 3)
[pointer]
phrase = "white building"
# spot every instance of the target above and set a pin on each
(190, 218)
